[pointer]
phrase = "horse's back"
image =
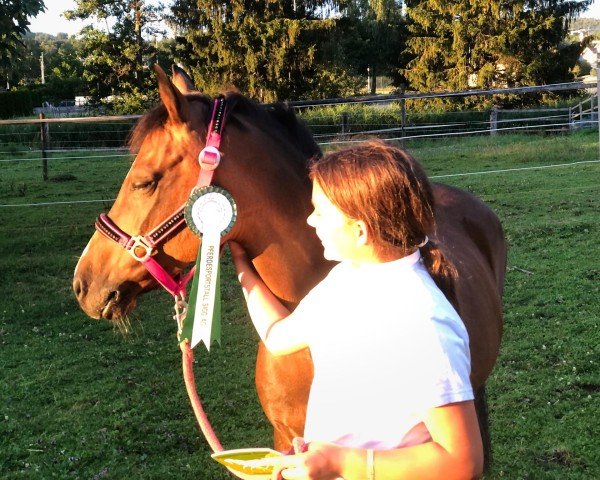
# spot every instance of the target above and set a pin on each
(471, 235)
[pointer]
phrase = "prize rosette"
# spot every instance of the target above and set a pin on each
(210, 213)
(211, 208)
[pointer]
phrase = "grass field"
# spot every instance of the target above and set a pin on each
(78, 399)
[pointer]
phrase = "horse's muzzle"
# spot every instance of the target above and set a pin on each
(106, 303)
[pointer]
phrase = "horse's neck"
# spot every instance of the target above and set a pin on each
(285, 250)
(290, 271)
(290, 256)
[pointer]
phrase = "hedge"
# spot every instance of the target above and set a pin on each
(15, 104)
(20, 103)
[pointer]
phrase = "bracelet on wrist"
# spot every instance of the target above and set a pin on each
(370, 464)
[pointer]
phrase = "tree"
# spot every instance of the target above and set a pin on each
(14, 23)
(117, 58)
(269, 49)
(456, 45)
(372, 34)
(61, 60)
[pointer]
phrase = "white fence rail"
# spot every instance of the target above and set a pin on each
(585, 113)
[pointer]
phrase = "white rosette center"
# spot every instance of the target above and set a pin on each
(212, 212)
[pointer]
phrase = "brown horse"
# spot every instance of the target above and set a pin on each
(264, 166)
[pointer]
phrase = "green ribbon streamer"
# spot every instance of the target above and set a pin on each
(188, 323)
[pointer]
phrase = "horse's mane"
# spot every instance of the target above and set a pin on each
(277, 118)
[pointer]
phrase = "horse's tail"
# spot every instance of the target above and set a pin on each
(496, 251)
(487, 232)
(481, 407)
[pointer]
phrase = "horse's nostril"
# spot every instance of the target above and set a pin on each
(113, 296)
(77, 288)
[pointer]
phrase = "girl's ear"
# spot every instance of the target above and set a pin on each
(362, 233)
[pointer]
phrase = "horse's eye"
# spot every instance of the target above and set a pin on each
(144, 184)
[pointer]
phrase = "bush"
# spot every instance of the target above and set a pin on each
(15, 104)
(132, 103)
(20, 103)
(55, 91)
(327, 120)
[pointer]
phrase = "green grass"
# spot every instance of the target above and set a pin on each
(78, 399)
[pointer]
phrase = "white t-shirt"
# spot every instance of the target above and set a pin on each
(386, 346)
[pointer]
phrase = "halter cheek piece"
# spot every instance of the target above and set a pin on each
(143, 247)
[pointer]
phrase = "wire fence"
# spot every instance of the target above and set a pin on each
(400, 112)
(433, 177)
(24, 146)
(389, 117)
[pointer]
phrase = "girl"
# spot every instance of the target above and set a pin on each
(391, 396)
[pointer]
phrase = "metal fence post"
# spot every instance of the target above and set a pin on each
(44, 138)
(598, 96)
(344, 123)
(571, 124)
(403, 113)
(371, 85)
(494, 121)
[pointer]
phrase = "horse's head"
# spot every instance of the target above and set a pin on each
(263, 166)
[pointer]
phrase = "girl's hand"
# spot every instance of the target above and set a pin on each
(240, 259)
(320, 462)
(281, 332)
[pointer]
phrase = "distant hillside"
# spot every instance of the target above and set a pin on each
(585, 23)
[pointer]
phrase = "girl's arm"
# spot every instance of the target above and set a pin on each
(281, 331)
(455, 453)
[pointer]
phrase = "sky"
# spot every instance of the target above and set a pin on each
(52, 22)
(593, 11)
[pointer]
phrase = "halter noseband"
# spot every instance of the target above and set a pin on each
(142, 247)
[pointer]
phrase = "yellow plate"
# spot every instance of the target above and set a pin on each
(239, 462)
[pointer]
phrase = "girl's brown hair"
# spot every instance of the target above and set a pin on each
(387, 189)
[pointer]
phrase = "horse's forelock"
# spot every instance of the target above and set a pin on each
(155, 118)
(147, 123)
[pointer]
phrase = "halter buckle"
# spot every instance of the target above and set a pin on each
(136, 242)
(209, 158)
(181, 307)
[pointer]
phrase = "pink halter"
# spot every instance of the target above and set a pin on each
(141, 247)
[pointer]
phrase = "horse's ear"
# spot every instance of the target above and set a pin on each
(182, 80)
(230, 87)
(176, 104)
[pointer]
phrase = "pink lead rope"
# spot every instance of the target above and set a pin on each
(209, 159)
(187, 362)
(141, 247)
